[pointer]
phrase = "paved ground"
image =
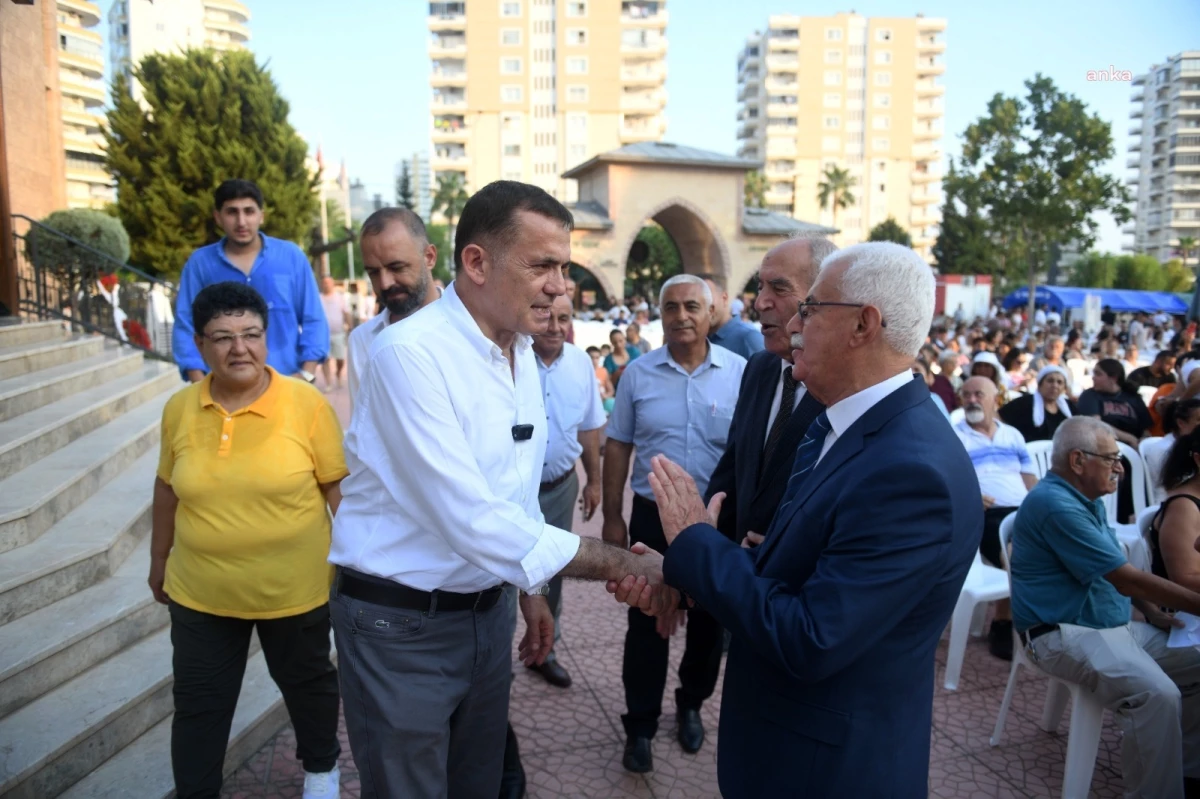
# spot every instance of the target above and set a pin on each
(571, 740)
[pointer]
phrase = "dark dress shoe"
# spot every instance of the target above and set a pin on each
(553, 672)
(638, 758)
(1000, 639)
(691, 731)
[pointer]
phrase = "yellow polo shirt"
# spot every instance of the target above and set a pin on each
(252, 530)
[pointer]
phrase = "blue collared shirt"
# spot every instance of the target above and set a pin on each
(739, 337)
(572, 398)
(296, 326)
(661, 409)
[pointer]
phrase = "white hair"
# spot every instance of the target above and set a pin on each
(819, 246)
(1077, 433)
(690, 280)
(894, 279)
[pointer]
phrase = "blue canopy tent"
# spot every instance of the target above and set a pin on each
(1062, 298)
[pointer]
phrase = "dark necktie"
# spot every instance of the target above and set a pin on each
(806, 457)
(786, 403)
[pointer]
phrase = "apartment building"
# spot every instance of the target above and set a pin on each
(855, 92)
(545, 85)
(140, 27)
(81, 80)
(1164, 151)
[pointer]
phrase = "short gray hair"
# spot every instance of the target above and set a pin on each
(690, 280)
(894, 279)
(1077, 433)
(820, 247)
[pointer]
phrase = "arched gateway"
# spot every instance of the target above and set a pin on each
(697, 197)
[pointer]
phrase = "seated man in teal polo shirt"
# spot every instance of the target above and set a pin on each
(1071, 599)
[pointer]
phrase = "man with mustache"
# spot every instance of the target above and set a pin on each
(398, 259)
(1005, 473)
(677, 400)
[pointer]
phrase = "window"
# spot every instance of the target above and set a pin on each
(883, 57)
(514, 174)
(510, 66)
(833, 100)
(577, 9)
(883, 101)
(831, 143)
(577, 65)
(510, 37)
(881, 123)
(833, 34)
(577, 37)
(578, 152)
(510, 94)
(883, 35)
(831, 122)
(510, 9)
(577, 94)
(880, 144)
(883, 79)
(577, 122)
(512, 149)
(833, 77)
(510, 122)
(833, 56)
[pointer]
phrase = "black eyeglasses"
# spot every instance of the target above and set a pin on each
(1113, 460)
(804, 309)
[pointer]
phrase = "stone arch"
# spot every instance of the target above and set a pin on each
(701, 246)
(598, 275)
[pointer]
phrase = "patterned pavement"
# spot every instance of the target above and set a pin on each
(571, 740)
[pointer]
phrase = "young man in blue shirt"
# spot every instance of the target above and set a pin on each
(297, 333)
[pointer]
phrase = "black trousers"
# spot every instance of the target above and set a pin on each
(209, 661)
(645, 669)
(989, 546)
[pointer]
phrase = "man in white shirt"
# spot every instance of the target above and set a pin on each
(440, 512)
(333, 302)
(1039, 317)
(398, 260)
(575, 415)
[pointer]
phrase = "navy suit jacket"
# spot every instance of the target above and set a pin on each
(753, 490)
(837, 615)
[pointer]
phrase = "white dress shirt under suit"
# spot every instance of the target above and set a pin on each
(440, 496)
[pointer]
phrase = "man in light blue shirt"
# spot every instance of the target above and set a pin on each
(678, 401)
(728, 330)
(297, 333)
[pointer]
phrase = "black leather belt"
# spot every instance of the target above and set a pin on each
(555, 483)
(1037, 631)
(393, 595)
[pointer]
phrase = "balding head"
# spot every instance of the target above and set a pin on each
(787, 273)
(978, 395)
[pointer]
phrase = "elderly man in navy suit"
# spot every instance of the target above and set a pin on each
(836, 615)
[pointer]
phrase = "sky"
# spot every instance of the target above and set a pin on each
(356, 72)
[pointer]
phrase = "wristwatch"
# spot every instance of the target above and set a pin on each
(543, 591)
(309, 377)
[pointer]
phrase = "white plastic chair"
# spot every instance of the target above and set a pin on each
(1087, 713)
(1147, 393)
(983, 584)
(1040, 451)
(1137, 479)
(1152, 488)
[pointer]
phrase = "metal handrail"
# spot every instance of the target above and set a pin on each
(39, 310)
(119, 264)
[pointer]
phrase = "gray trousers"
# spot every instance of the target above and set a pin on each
(1153, 692)
(558, 506)
(425, 696)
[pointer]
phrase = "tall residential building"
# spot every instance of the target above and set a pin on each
(421, 177)
(140, 27)
(81, 79)
(853, 92)
(1165, 151)
(546, 85)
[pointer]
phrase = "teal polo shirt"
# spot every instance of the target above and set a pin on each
(1062, 547)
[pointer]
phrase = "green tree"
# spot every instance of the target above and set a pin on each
(101, 234)
(339, 258)
(449, 199)
(1094, 270)
(404, 193)
(1177, 278)
(1035, 166)
(207, 119)
(834, 190)
(1139, 272)
(443, 269)
(964, 245)
(755, 189)
(1188, 245)
(890, 230)
(661, 261)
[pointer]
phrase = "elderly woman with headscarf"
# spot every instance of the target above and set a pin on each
(1038, 415)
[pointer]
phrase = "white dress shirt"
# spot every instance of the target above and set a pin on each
(778, 398)
(572, 398)
(359, 348)
(846, 412)
(440, 496)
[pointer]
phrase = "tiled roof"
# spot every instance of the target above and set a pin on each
(760, 221)
(664, 153)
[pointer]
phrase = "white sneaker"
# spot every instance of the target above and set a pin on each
(323, 786)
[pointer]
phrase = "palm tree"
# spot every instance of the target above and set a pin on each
(449, 200)
(1187, 245)
(834, 191)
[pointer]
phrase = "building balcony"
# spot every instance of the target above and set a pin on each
(748, 130)
(926, 133)
(239, 11)
(926, 67)
(645, 102)
(450, 134)
(447, 78)
(774, 85)
(644, 15)
(1135, 145)
(86, 170)
(454, 48)
(448, 22)
(778, 197)
(1136, 113)
(223, 43)
(78, 143)
(1133, 163)
(89, 13)
(782, 109)
(1135, 130)
(931, 24)
(654, 75)
(90, 91)
(919, 177)
(1138, 96)
(783, 63)
(82, 119)
(929, 89)
(635, 129)
(655, 48)
(749, 62)
(451, 162)
(926, 152)
(923, 197)
(783, 44)
(925, 46)
(924, 217)
(782, 131)
(236, 30)
(928, 110)
(89, 67)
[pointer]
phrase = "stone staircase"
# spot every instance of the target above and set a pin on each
(85, 652)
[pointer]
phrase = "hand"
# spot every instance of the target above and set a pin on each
(539, 630)
(158, 574)
(646, 591)
(669, 623)
(589, 500)
(1161, 620)
(752, 539)
(614, 531)
(195, 375)
(988, 501)
(679, 502)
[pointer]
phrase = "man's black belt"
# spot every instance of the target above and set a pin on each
(550, 485)
(1037, 631)
(394, 595)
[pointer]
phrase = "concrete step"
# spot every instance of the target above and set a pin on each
(22, 394)
(33, 356)
(34, 435)
(33, 499)
(26, 332)
(143, 769)
(86, 546)
(44, 649)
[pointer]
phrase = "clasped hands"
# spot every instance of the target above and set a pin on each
(679, 507)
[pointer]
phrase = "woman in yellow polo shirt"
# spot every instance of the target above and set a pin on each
(249, 471)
